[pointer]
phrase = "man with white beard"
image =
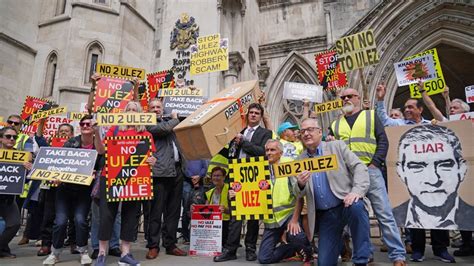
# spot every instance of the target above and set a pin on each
(365, 136)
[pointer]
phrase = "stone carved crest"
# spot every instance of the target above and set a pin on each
(185, 33)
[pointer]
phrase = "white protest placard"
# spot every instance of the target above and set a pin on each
(301, 91)
(206, 231)
(470, 94)
(414, 70)
(463, 116)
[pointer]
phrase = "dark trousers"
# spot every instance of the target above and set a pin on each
(466, 237)
(166, 203)
(439, 240)
(11, 214)
(33, 221)
(76, 200)
(186, 217)
(233, 238)
(145, 210)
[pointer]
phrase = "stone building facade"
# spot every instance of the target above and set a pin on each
(48, 47)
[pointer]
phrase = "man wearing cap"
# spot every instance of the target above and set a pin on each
(292, 147)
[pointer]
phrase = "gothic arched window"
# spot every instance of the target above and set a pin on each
(93, 56)
(51, 65)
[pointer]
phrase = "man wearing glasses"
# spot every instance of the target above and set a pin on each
(365, 136)
(334, 196)
(22, 139)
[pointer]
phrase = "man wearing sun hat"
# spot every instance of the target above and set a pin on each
(292, 146)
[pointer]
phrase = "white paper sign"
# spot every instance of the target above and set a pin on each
(470, 94)
(413, 70)
(463, 116)
(206, 231)
(301, 91)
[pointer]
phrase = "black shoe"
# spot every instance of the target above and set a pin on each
(250, 255)
(225, 256)
(95, 254)
(463, 252)
(116, 252)
(7, 254)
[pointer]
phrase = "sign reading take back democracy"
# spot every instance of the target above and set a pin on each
(313, 165)
(357, 51)
(112, 95)
(250, 179)
(120, 71)
(433, 86)
(128, 174)
(209, 55)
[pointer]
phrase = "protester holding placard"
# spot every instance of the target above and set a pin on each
(23, 141)
(219, 195)
(75, 198)
(292, 147)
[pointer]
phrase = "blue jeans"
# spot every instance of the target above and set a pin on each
(114, 240)
(378, 197)
(269, 253)
(331, 224)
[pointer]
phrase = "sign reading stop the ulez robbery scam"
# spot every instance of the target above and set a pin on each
(120, 71)
(209, 55)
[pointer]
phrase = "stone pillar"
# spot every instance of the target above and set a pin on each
(263, 71)
(236, 62)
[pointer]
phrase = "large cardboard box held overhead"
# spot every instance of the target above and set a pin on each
(205, 132)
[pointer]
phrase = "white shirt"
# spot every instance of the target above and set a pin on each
(426, 220)
(247, 138)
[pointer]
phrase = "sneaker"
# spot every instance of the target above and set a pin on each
(51, 260)
(463, 252)
(417, 256)
(100, 261)
(444, 256)
(128, 260)
(85, 259)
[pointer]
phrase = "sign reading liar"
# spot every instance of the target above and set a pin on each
(433, 86)
(470, 94)
(12, 178)
(313, 165)
(357, 51)
(112, 95)
(158, 81)
(250, 179)
(184, 106)
(209, 55)
(106, 119)
(120, 71)
(328, 106)
(302, 91)
(413, 70)
(330, 75)
(64, 164)
(206, 231)
(128, 174)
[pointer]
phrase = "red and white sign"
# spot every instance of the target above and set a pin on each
(470, 94)
(206, 231)
(463, 116)
(52, 123)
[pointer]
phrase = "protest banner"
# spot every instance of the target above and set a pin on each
(357, 51)
(210, 54)
(120, 71)
(112, 95)
(301, 91)
(184, 106)
(128, 174)
(57, 141)
(330, 75)
(123, 119)
(44, 114)
(312, 165)
(184, 92)
(143, 96)
(159, 80)
(64, 164)
(75, 116)
(430, 169)
(433, 86)
(14, 156)
(206, 231)
(413, 70)
(52, 124)
(30, 107)
(12, 178)
(250, 179)
(463, 116)
(469, 94)
(328, 106)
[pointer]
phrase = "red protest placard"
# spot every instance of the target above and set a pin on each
(52, 124)
(58, 141)
(128, 174)
(112, 95)
(206, 231)
(330, 75)
(143, 96)
(159, 80)
(31, 106)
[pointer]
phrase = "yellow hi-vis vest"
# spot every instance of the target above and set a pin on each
(361, 138)
(218, 160)
(223, 200)
(20, 141)
(283, 203)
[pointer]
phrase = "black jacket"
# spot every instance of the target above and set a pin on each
(254, 147)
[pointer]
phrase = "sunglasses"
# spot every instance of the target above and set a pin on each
(13, 122)
(84, 124)
(10, 137)
(349, 96)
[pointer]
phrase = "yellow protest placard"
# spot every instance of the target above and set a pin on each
(185, 92)
(44, 114)
(120, 71)
(313, 165)
(250, 179)
(433, 86)
(1, 118)
(14, 156)
(209, 55)
(357, 51)
(328, 106)
(40, 174)
(110, 119)
(76, 116)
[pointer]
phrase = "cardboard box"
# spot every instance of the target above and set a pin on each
(205, 132)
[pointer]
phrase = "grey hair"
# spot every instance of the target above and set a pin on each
(463, 104)
(313, 120)
(280, 146)
(138, 128)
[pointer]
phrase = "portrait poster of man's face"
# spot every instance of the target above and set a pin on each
(430, 175)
